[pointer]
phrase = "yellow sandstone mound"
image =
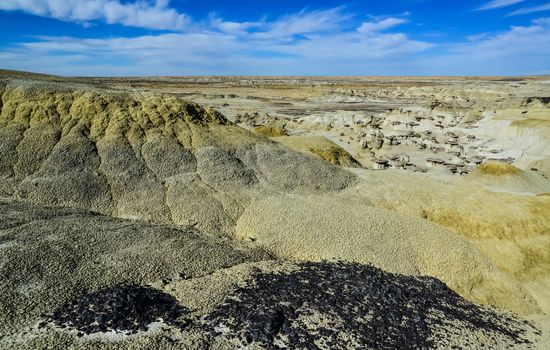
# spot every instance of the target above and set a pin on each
(142, 156)
(497, 169)
(512, 230)
(321, 147)
(328, 227)
(505, 177)
(270, 131)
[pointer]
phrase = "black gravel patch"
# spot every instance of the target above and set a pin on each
(317, 306)
(545, 100)
(356, 307)
(122, 308)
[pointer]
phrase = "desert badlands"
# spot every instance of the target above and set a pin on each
(274, 213)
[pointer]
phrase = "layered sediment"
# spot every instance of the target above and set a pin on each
(113, 201)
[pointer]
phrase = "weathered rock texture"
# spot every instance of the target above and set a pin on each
(50, 255)
(149, 188)
(141, 156)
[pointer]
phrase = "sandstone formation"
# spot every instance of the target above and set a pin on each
(147, 157)
(114, 200)
(321, 147)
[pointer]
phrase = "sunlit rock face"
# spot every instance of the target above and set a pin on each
(137, 219)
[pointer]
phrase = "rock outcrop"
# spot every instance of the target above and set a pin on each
(114, 197)
(141, 156)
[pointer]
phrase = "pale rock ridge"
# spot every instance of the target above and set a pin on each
(142, 156)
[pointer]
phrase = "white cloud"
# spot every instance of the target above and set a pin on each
(143, 14)
(304, 23)
(533, 9)
(522, 50)
(315, 42)
(374, 27)
(496, 4)
(237, 28)
(298, 44)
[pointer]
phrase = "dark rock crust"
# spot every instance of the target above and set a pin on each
(359, 306)
(323, 305)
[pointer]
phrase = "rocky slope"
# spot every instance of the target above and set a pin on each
(148, 157)
(107, 192)
(79, 280)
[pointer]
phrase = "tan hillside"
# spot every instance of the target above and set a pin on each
(320, 147)
(116, 196)
(141, 156)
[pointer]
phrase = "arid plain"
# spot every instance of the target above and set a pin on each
(274, 212)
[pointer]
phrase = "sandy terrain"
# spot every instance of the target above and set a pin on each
(459, 121)
(263, 185)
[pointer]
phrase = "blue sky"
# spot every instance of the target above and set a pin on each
(244, 37)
